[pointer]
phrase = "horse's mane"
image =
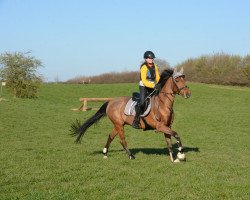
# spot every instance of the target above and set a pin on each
(165, 76)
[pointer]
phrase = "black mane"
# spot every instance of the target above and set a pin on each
(165, 76)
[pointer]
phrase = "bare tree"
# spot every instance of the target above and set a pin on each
(162, 64)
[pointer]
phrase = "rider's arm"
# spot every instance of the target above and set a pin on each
(146, 83)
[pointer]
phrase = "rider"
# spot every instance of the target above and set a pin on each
(149, 77)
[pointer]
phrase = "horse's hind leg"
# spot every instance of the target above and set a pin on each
(110, 139)
(123, 141)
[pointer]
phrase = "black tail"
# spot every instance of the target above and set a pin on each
(78, 130)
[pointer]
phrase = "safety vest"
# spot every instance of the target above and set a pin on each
(151, 72)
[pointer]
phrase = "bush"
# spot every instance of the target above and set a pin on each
(112, 77)
(218, 69)
(118, 77)
(19, 72)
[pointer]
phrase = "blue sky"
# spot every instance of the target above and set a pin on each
(89, 37)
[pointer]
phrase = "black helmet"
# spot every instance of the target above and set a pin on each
(149, 54)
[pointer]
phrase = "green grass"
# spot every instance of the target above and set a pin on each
(39, 160)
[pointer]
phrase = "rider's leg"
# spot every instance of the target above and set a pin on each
(139, 107)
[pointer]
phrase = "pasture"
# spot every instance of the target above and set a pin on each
(39, 159)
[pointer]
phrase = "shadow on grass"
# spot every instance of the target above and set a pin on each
(154, 151)
(162, 151)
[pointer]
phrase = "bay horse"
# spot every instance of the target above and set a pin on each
(160, 117)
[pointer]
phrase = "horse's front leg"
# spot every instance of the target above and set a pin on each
(170, 148)
(167, 133)
(180, 155)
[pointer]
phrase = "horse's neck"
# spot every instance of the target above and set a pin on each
(167, 94)
(169, 86)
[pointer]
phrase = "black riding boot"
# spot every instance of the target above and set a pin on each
(137, 117)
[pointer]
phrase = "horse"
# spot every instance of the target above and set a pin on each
(160, 117)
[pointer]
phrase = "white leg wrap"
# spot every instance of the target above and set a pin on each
(181, 156)
(105, 150)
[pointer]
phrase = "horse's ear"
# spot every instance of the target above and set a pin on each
(175, 70)
(182, 70)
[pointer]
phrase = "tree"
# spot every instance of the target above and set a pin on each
(19, 72)
(246, 68)
(162, 64)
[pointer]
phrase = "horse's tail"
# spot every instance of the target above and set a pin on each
(78, 130)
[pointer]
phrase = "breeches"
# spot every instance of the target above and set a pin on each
(144, 92)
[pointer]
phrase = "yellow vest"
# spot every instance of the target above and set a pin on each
(146, 79)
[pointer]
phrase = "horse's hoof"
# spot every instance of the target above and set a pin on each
(176, 160)
(131, 157)
(105, 153)
(181, 156)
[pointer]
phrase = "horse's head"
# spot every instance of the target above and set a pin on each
(180, 84)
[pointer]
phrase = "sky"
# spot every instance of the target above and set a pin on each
(76, 38)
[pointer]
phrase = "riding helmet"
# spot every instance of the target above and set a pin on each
(149, 54)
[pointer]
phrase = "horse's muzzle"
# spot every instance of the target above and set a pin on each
(186, 93)
(187, 96)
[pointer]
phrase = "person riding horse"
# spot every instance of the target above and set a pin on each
(172, 82)
(149, 77)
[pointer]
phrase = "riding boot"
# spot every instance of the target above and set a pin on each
(137, 117)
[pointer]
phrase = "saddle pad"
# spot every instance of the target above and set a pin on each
(130, 108)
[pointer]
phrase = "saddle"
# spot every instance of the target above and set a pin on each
(133, 101)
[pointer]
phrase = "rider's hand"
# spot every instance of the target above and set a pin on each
(157, 87)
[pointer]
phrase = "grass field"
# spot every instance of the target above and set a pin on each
(39, 160)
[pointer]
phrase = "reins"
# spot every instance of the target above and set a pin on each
(166, 94)
(149, 95)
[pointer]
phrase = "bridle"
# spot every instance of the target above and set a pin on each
(179, 89)
(167, 94)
